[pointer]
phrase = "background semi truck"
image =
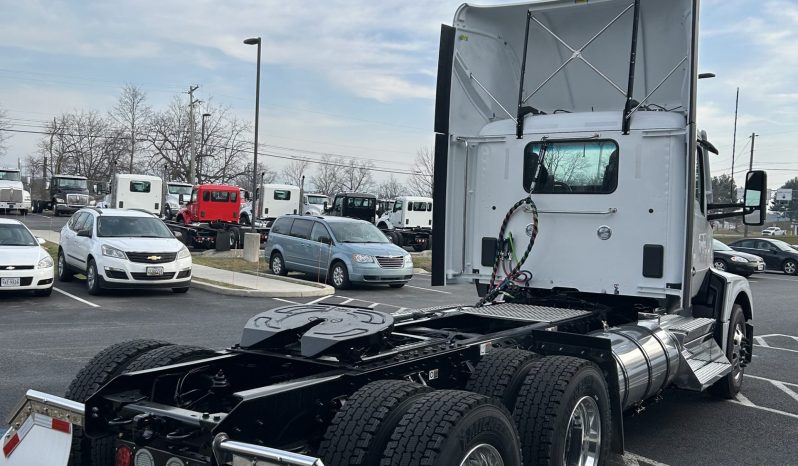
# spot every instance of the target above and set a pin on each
(13, 195)
(274, 200)
(63, 194)
(408, 222)
(541, 369)
(127, 191)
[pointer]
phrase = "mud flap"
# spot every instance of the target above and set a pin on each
(40, 431)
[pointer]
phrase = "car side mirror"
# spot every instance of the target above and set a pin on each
(41, 241)
(755, 198)
(325, 240)
(86, 233)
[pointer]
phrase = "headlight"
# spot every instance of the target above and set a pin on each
(408, 260)
(738, 259)
(184, 253)
(111, 251)
(45, 263)
(92, 202)
(58, 199)
(362, 258)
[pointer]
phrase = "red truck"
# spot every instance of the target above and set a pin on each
(210, 218)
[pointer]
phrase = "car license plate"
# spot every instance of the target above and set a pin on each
(9, 281)
(154, 271)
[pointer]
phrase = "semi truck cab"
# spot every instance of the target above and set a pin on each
(12, 192)
(354, 205)
(407, 212)
(211, 202)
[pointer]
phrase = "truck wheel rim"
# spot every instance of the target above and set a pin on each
(720, 265)
(583, 435)
(483, 455)
(277, 265)
(737, 349)
(789, 267)
(338, 276)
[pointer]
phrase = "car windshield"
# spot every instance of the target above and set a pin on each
(9, 176)
(357, 232)
(317, 200)
(15, 234)
(718, 246)
(131, 227)
(178, 190)
(71, 183)
(781, 244)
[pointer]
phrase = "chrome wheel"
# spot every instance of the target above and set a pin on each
(91, 276)
(583, 435)
(61, 265)
(483, 455)
(277, 265)
(338, 276)
(789, 268)
(719, 265)
(737, 351)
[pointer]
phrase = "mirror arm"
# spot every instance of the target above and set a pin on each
(725, 206)
(736, 213)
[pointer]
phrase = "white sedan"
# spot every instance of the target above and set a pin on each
(24, 264)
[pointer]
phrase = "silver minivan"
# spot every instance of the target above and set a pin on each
(344, 250)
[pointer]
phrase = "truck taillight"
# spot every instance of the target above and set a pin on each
(124, 456)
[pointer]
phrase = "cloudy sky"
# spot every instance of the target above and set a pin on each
(344, 76)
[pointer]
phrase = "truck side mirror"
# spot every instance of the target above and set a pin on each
(181, 199)
(755, 197)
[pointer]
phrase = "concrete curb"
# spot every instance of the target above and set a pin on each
(250, 293)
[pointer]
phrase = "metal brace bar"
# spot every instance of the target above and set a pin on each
(658, 86)
(471, 76)
(577, 53)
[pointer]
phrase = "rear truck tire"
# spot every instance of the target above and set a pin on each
(719, 264)
(360, 430)
(55, 211)
(396, 238)
(452, 427)
(64, 274)
(93, 279)
(397, 285)
(235, 238)
(23, 212)
(168, 355)
(180, 290)
(103, 367)
(339, 276)
(43, 293)
(419, 247)
(277, 264)
(563, 413)
(167, 212)
(730, 385)
(790, 267)
(244, 219)
(501, 373)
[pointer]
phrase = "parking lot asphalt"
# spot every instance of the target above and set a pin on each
(45, 341)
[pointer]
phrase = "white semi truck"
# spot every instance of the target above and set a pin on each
(176, 195)
(129, 191)
(572, 185)
(274, 200)
(13, 195)
(408, 222)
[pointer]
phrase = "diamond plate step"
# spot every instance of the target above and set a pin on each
(687, 329)
(710, 373)
(527, 312)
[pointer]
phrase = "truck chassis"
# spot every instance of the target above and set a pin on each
(218, 234)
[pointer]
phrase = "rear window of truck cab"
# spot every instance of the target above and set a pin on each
(282, 195)
(571, 167)
(139, 186)
(220, 196)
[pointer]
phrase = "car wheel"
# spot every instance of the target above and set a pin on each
(43, 293)
(93, 279)
(790, 267)
(277, 264)
(719, 264)
(64, 274)
(339, 276)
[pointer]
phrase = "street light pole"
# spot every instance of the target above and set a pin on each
(202, 146)
(255, 207)
(192, 133)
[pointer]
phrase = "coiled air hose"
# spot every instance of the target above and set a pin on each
(494, 291)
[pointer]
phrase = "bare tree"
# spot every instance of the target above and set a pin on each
(244, 179)
(131, 113)
(169, 141)
(293, 172)
(327, 179)
(356, 175)
(5, 125)
(423, 170)
(224, 147)
(390, 189)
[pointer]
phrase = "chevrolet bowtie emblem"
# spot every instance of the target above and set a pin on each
(10, 267)
(153, 258)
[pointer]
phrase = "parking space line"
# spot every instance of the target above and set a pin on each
(633, 459)
(347, 301)
(318, 300)
(285, 300)
(76, 298)
(427, 289)
(743, 401)
(778, 384)
(761, 342)
(775, 348)
(373, 305)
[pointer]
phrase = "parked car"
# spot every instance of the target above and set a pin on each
(24, 264)
(344, 250)
(729, 260)
(774, 231)
(119, 248)
(777, 254)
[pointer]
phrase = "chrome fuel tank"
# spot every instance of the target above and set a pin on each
(647, 357)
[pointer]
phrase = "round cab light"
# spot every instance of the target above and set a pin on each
(124, 456)
(175, 462)
(144, 458)
(604, 232)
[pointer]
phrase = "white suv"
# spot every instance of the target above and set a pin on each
(118, 248)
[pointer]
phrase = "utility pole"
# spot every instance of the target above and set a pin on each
(750, 167)
(734, 145)
(192, 161)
